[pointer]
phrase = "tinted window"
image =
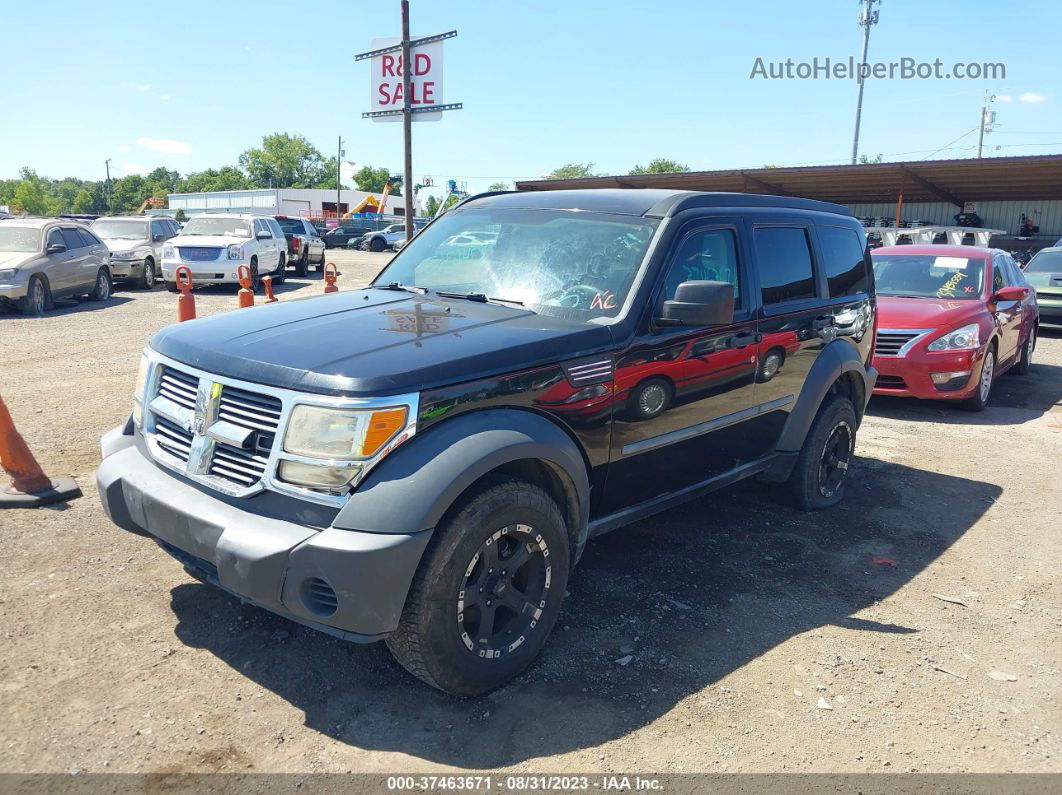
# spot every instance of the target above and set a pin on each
(72, 239)
(158, 228)
(87, 239)
(784, 264)
(843, 256)
(274, 227)
(55, 238)
(291, 225)
(998, 282)
(708, 255)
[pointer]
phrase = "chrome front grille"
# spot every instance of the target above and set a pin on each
(896, 342)
(179, 387)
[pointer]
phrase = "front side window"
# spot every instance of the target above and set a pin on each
(844, 258)
(708, 255)
(998, 280)
(578, 265)
(227, 227)
(784, 264)
(927, 276)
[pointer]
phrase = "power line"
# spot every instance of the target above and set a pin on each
(951, 142)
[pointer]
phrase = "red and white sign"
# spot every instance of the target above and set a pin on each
(425, 81)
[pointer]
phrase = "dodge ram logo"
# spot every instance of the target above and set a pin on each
(198, 425)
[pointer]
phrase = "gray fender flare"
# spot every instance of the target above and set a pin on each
(413, 487)
(837, 358)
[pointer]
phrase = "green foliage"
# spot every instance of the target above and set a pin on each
(499, 186)
(572, 171)
(864, 160)
(372, 180)
(225, 178)
(180, 215)
(287, 161)
(431, 206)
(660, 165)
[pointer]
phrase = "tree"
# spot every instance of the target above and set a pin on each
(572, 171)
(372, 180)
(864, 160)
(286, 161)
(499, 186)
(660, 165)
(82, 202)
(180, 215)
(30, 197)
(128, 193)
(225, 178)
(431, 206)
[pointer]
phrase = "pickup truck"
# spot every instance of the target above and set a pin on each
(305, 246)
(383, 239)
(424, 460)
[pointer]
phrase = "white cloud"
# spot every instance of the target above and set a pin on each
(164, 97)
(133, 168)
(122, 148)
(164, 146)
(142, 86)
(1030, 97)
(1004, 98)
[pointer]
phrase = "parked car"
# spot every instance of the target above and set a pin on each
(951, 319)
(135, 243)
(1044, 274)
(393, 483)
(305, 246)
(46, 258)
(383, 239)
(214, 246)
(341, 235)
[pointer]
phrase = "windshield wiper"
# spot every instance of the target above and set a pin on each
(480, 297)
(404, 288)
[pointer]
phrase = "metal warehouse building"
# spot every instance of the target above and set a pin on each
(307, 202)
(999, 189)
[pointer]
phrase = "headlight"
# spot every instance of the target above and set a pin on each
(169, 252)
(123, 254)
(141, 386)
(341, 434)
(962, 339)
(8, 275)
(234, 251)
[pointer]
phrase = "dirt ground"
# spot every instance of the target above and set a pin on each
(917, 627)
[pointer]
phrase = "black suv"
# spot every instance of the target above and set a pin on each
(426, 464)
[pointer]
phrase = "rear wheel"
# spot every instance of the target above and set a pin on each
(817, 479)
(101, 290)
(37, 297)
(147, 279)
(488, 590)
(979, 399)
(255, 278)
(650, 399)
(300, 266)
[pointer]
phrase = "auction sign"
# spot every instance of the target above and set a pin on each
(425, 79)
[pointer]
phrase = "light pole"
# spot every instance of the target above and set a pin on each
(867, 16)
(987, 120)
(107, 165)
(339, 160)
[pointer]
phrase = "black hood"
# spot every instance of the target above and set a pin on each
(375, 342)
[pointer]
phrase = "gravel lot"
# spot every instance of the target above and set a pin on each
(760, 638)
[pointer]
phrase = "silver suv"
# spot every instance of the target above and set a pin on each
(46, 258)
(135, 243)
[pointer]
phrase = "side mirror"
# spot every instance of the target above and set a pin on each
(55, 248)
(701, 303)
(263, 235)
(1010, 294)
(159, 238)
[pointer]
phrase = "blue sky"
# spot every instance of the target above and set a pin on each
(191, 85)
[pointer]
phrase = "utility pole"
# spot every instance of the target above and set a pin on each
(107, 165)
(867, 17)
(339, 160)
(407, 124)
(987, 120)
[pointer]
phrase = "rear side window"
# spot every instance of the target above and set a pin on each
(87, 238)
(72, 239)
(783, 260)
(844, 257)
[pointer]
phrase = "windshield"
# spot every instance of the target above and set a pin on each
(291, 225)
(229, 227)
(577, 265)
(1045, 262)
(120, 230)
(19, 238)
(923, 276)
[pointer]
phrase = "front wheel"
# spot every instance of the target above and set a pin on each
(1025, 359)
(979, 399)
(817, 479)
(101, 290)
(279, 274)
(36, 299)
(377, 244)
(488, 590)
(147, 279)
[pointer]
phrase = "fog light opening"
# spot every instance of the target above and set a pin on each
(319, 597)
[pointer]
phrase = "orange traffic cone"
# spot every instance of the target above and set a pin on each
(244, 297)
(267, 282)
(29, 486)
(331, 274)
(185, 301)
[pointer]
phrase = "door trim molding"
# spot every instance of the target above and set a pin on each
(700, 428)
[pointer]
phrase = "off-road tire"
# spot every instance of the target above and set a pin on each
(979, 399)
(806, 487)
(431, 641)
(38, 298)
(103, 286)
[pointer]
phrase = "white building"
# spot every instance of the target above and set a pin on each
(307, 202)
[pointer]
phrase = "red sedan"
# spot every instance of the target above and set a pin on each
(950, 320)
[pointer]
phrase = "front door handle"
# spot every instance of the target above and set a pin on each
(742, 340)
(823, 321)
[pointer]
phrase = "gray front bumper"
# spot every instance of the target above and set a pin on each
(269, 562)
(126, 268)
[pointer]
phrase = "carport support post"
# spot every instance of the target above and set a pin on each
(407, 125)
